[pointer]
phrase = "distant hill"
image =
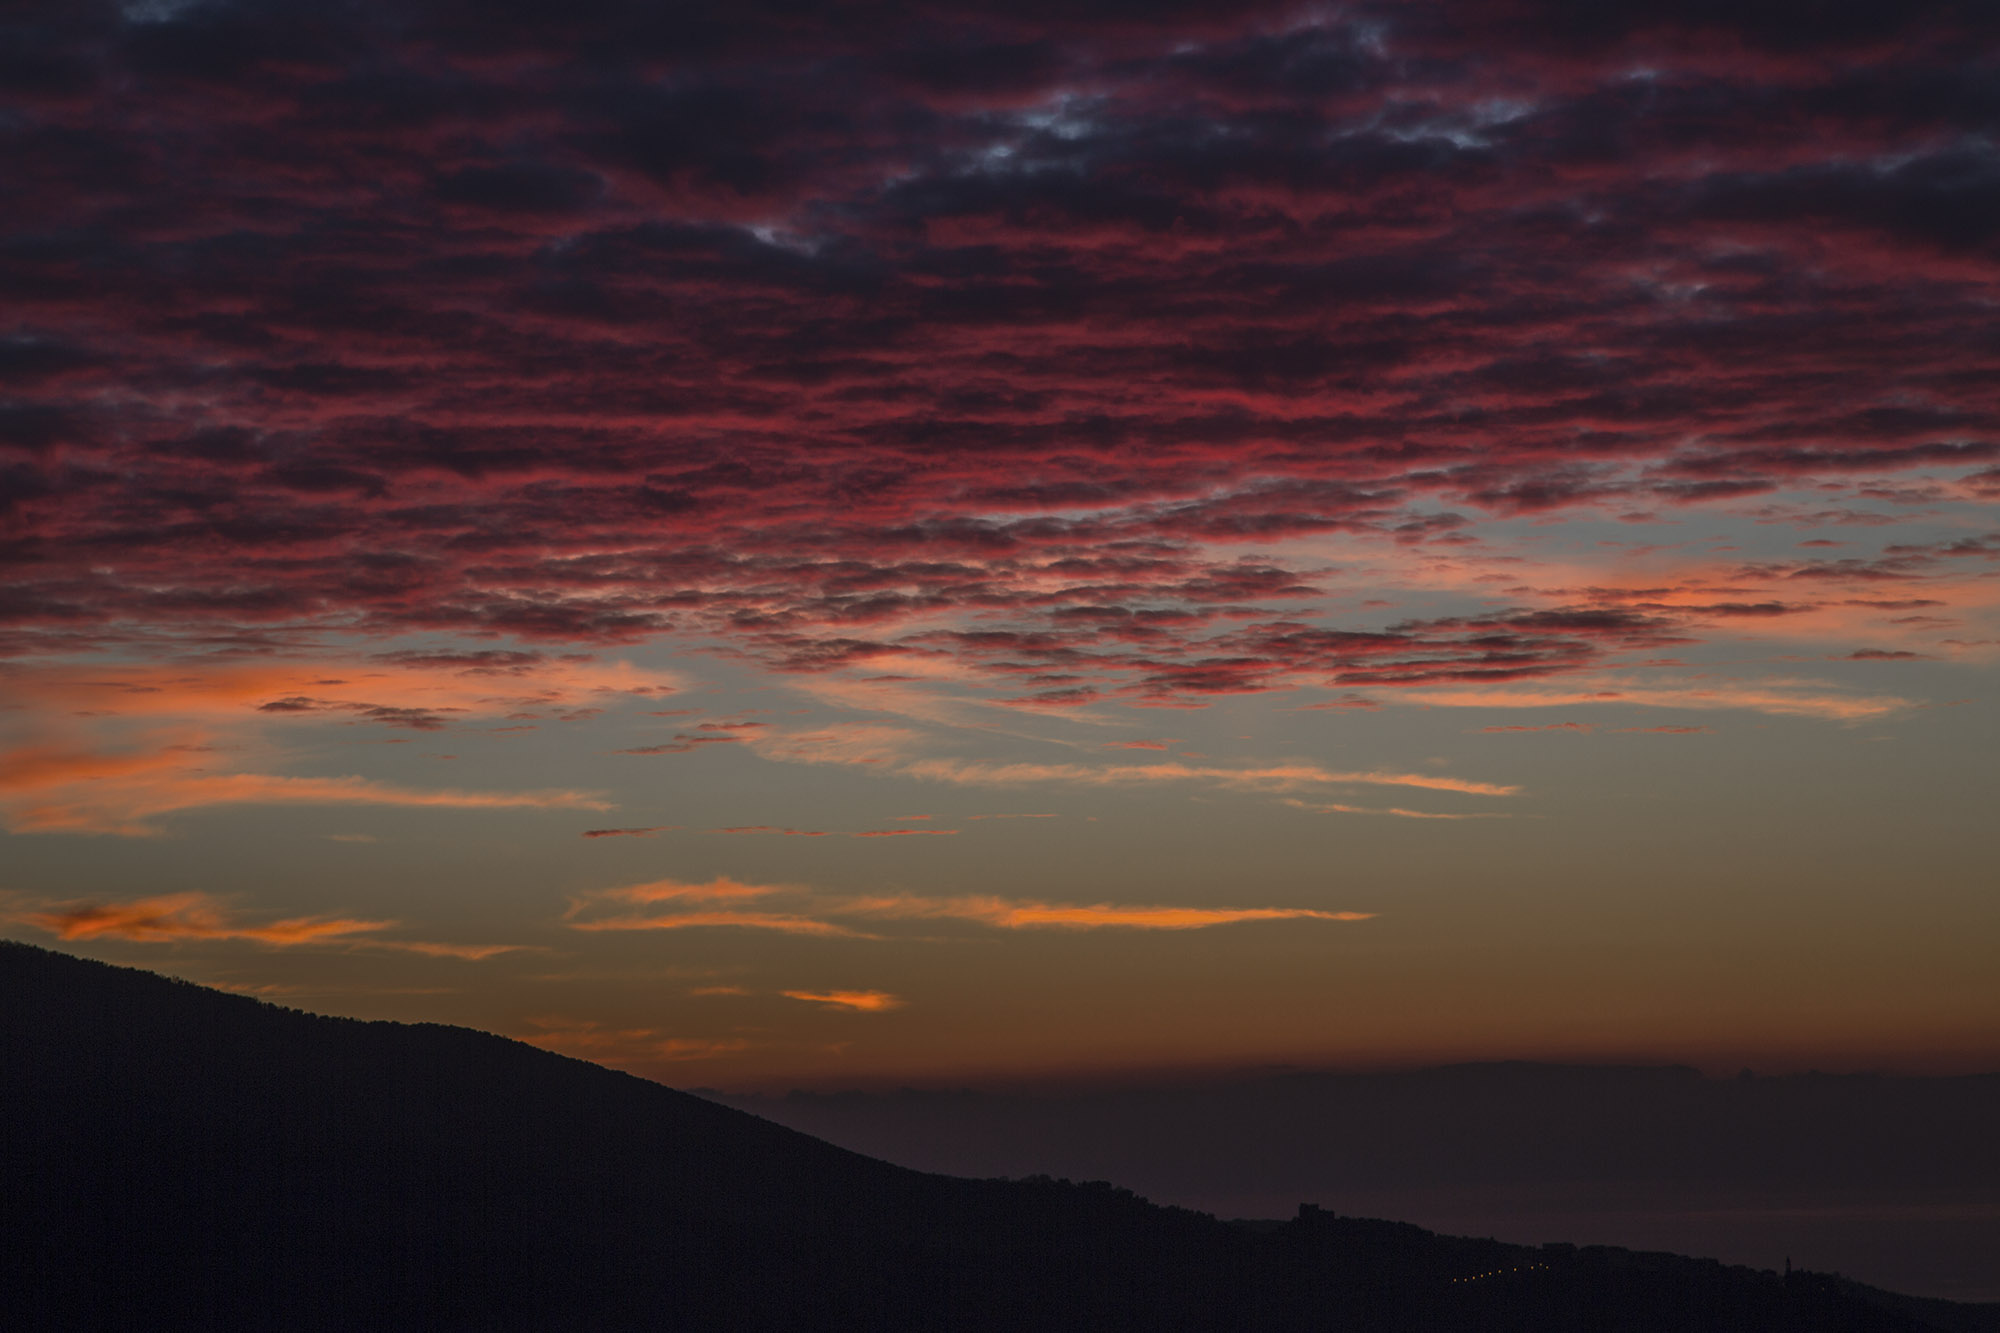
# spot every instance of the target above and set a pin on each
(175, 1157)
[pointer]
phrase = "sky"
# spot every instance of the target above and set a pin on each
(781, 544)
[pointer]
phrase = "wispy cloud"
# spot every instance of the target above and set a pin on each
(469, 952)
(1335, 808)
(796, 909)
(1264, 777)
(171, 918)
(1015, 915)
(692, 907)
(1779, 697)
(862, 744)
(886, 749)
(719, 889)
(778, 921)
(45, 789)
(423, 691)
(183, 917)
(859, 1001)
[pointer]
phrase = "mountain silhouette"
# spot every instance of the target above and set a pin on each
(175, 1157)
(1892, 1178)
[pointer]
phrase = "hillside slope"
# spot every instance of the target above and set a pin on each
(178, 1157)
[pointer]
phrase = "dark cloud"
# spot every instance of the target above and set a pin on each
(415, 719)
(680, 744)
(587, 323)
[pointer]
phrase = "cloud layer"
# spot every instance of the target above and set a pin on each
(1039, 341)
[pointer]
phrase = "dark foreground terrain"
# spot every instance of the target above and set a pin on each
(174, 1157)
(1891, 1178)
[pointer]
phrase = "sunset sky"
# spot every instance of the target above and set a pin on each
(764, 544)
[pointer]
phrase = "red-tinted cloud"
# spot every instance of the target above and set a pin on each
(812, 332)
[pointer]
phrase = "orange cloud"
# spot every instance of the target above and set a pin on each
(124, 808)
(671, 890)
(861, 1001)
(779, 921)
(819, 914)
(1157, 918)
(50, 790)
(402, 689)
(1023, 915)
(1334, 808)
(687, 921)
(676, 893)
(887, 748)
(185, 916)
(33, 768)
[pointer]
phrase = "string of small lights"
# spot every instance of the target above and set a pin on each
(1500, 1272)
